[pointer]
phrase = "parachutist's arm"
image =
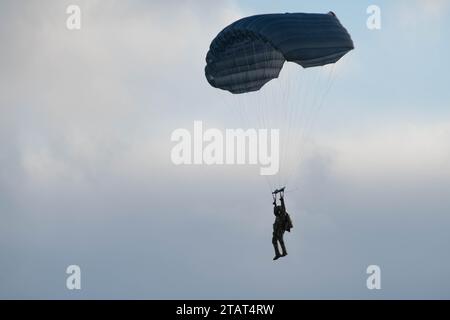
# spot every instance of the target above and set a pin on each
(282, 204)
(278, 191)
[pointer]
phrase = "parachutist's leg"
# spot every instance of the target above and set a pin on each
(283, 247)
(275, 247)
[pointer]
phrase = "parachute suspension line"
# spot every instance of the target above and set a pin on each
(304, 117)
(253, 40)
(302, 104)
(291, 103)
(284, 114)
(292, 123)
(318, 107)
(321, 100)
(262, 101)
(327, 87)
(287, 107)
(314, 101)
(309, 110)
(246, 123)
(258, 98)
(297, 108)
(299, 112)
(269, 107)
(292, 108)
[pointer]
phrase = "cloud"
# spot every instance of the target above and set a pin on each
(414, 149)
(86, 177)
(80, 100)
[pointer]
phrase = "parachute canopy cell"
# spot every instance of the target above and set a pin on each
(251, 51)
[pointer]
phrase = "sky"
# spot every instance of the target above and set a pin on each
(86, 177)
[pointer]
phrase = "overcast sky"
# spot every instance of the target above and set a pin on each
(86, 177)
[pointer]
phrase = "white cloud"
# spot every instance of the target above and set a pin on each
(76, 100)
(406, 149)
(85, 171)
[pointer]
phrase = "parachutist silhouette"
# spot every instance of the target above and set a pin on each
(282, 223)
(252, 51)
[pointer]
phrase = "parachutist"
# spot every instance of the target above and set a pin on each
(282, 223)
(252, 51)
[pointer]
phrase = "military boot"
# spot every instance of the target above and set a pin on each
(277, 252)
(283, 248)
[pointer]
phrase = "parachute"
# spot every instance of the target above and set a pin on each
(249, 53)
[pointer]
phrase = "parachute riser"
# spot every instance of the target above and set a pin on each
(278, 191)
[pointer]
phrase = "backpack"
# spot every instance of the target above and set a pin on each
(288, 223)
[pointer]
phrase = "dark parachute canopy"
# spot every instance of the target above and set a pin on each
(251, 51)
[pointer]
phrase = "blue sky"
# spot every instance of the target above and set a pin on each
(86, 177)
